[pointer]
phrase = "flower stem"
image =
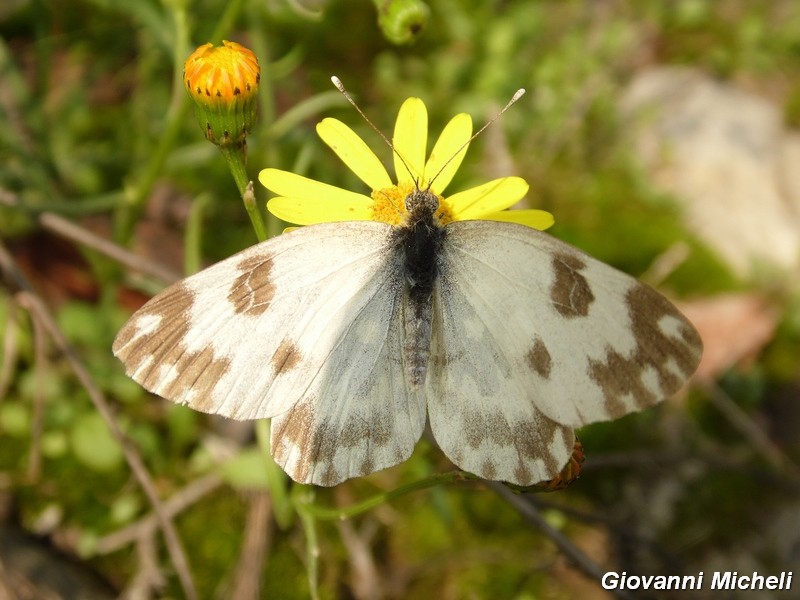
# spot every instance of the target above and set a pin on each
(324, 513)
(282, 507)
(139, 187)
(192, 255)
(235, 156)
(304, 495)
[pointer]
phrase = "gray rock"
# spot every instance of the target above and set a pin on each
(725, 154)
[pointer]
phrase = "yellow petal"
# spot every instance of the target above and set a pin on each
(443, 161)
(286, 183)
(354, 152)
(307, 211)
(410, 141)
(530, 217)
(493, 196)
(306, 201)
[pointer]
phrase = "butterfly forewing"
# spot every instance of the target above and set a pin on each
(529, 339)
(305, 328)
(533, 338)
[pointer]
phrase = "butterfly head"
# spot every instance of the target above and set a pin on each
(421, 204)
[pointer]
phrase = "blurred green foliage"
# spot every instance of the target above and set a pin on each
(94, 124)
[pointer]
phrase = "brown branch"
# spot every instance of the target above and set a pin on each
(40, 353)
(39, 311)
(253, 554)
(751, 431)
(148, 577)
(69, 230)
(365, 579)
(72, 231)
(6, 585)
(177, 503)
(562, 542)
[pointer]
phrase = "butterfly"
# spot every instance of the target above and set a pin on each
(351, 335)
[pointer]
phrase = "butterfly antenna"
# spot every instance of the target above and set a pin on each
(340, 86)
(517, 95)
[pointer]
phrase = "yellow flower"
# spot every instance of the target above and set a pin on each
(305, 201)
(223, 82)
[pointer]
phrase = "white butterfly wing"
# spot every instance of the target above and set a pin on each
(533, 338)
(304, 328)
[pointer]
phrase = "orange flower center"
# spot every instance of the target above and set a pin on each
(389, 205)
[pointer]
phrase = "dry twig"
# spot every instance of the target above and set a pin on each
(40, 349)
(148, 577)
(255, 547)
(71, 231)
(365, 579)
(751, 431)
(177, 503)
(562, 542)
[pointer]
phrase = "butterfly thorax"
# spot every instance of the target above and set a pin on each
(420, 237)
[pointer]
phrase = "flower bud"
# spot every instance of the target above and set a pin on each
(223, 82)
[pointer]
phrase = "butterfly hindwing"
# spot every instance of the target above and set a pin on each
(363, 415)
(530, 339)
(303, 328)
(533, 338)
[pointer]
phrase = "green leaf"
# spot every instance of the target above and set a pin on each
(15, 419)
(93, 444)
(247, 470)
(125, 508)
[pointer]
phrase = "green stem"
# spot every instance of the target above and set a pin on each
(260, 36)
(304, 495)
(226, 21)
(282, 507)
(192, 243)
(251, 206)
(137, 194)
(323, 513)
(235, 157)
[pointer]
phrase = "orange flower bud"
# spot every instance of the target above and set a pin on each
(223, 82)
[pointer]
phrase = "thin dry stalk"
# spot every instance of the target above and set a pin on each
(365, 579)
(71, 231)
(148, 579)
(10, 347)
(255, 548)
(531, 514)
(40, 357)
(176, 504)
(751, 431)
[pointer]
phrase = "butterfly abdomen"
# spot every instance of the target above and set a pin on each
(421, 238)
